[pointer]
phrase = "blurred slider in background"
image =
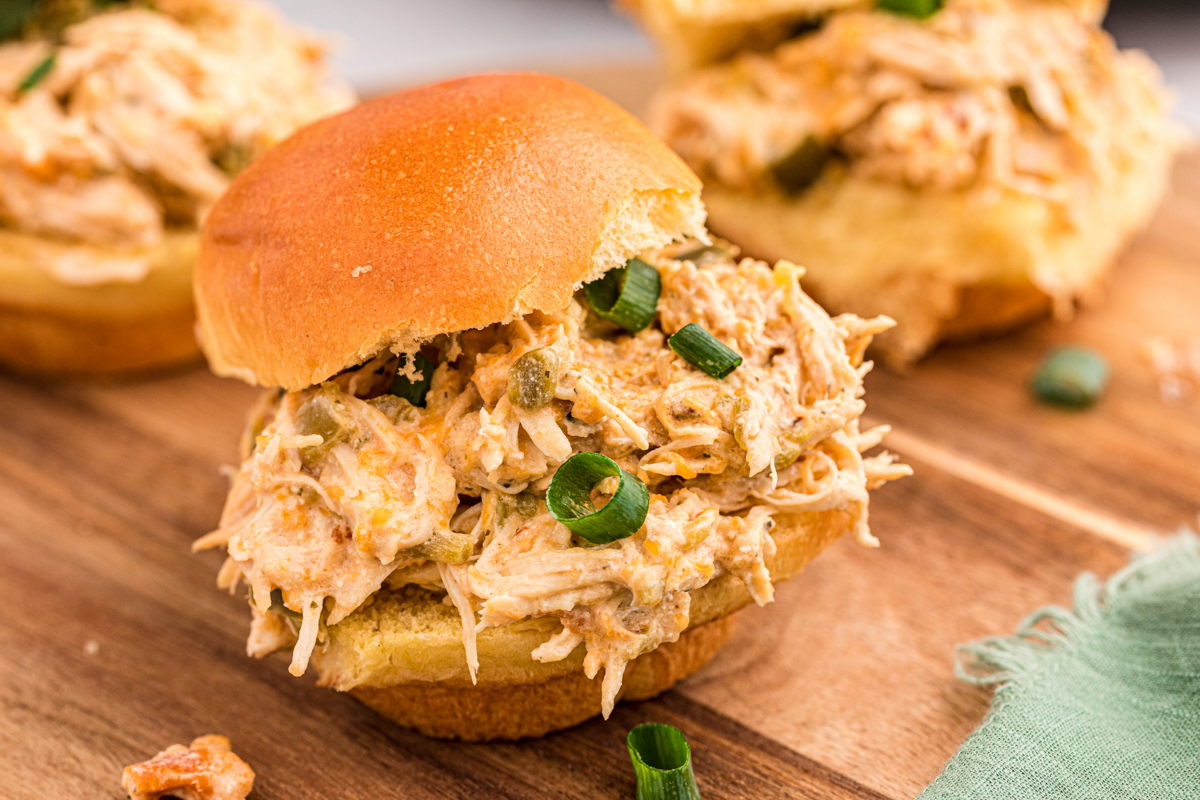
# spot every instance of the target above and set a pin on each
(961, 167)
(120, 125)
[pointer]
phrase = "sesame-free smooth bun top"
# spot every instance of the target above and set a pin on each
(433, 210)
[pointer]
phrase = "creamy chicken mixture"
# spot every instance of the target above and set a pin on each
(1015, 93)
(136, 117)
(204, 770)
(348, 488)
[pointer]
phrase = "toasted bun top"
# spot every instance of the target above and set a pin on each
(429, 211)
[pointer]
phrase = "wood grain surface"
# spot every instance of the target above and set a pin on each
(114, 641)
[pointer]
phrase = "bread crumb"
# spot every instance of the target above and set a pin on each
(1177, 367)
(204, 770)
(91, 647)
(360, 270)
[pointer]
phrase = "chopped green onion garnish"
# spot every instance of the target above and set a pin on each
(1070, 376)
(800, 168)
(413, 391)
(662, 762)
(569, 499)
(705, 351)
(36, 74)
(627, 296)
(921, 9)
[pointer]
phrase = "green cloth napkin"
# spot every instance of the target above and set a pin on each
(1099, 703)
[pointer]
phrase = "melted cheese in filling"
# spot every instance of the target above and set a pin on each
(459, 485)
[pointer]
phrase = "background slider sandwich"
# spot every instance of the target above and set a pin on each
(120, 125)
(531, 427)
(961, 167)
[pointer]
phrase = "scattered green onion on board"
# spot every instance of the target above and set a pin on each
(37, 74)
(662, 762)
(704, 351)
(569, 499)
(413, 391)
(921, 9)
(1070, 376)
(627, 296)
(800, 168)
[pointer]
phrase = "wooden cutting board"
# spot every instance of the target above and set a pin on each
(114, 641)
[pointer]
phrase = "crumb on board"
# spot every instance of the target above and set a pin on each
(360, 270)
(1176, 365)
(91, 647)
(204, 770)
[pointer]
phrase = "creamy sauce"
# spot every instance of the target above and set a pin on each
(328, 521)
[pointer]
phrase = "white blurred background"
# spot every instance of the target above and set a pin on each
(383, 44)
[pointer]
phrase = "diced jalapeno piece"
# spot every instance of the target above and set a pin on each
(704, 254)
(533, 379)
(1070, 376)
(800, 168)
(445, 546)
(278, 606)
(322, 415)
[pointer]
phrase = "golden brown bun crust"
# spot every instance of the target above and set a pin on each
(45, 344)
(438, 209)
(404, 657)
(520, 711)
(51, 328)
(988, 309)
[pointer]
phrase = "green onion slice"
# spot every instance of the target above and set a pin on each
(921, 9)
(705, 351)
(413, 391)
(569, 499)
(627, 296)
(1071, 376)
(37, 74)
(662, 762)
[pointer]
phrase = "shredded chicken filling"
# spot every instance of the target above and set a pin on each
(144, 116)
(1025, 95)
(348, 486)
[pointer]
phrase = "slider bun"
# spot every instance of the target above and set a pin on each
(946, 265)
(403, 655)
(52, 328)
(695, 33)
(438, 209)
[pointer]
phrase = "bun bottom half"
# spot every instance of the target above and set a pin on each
(946, 265)
(403, 656)
(51, 328)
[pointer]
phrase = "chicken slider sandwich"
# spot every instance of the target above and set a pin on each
(959, 166)
(120, 125)
(534, 439)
